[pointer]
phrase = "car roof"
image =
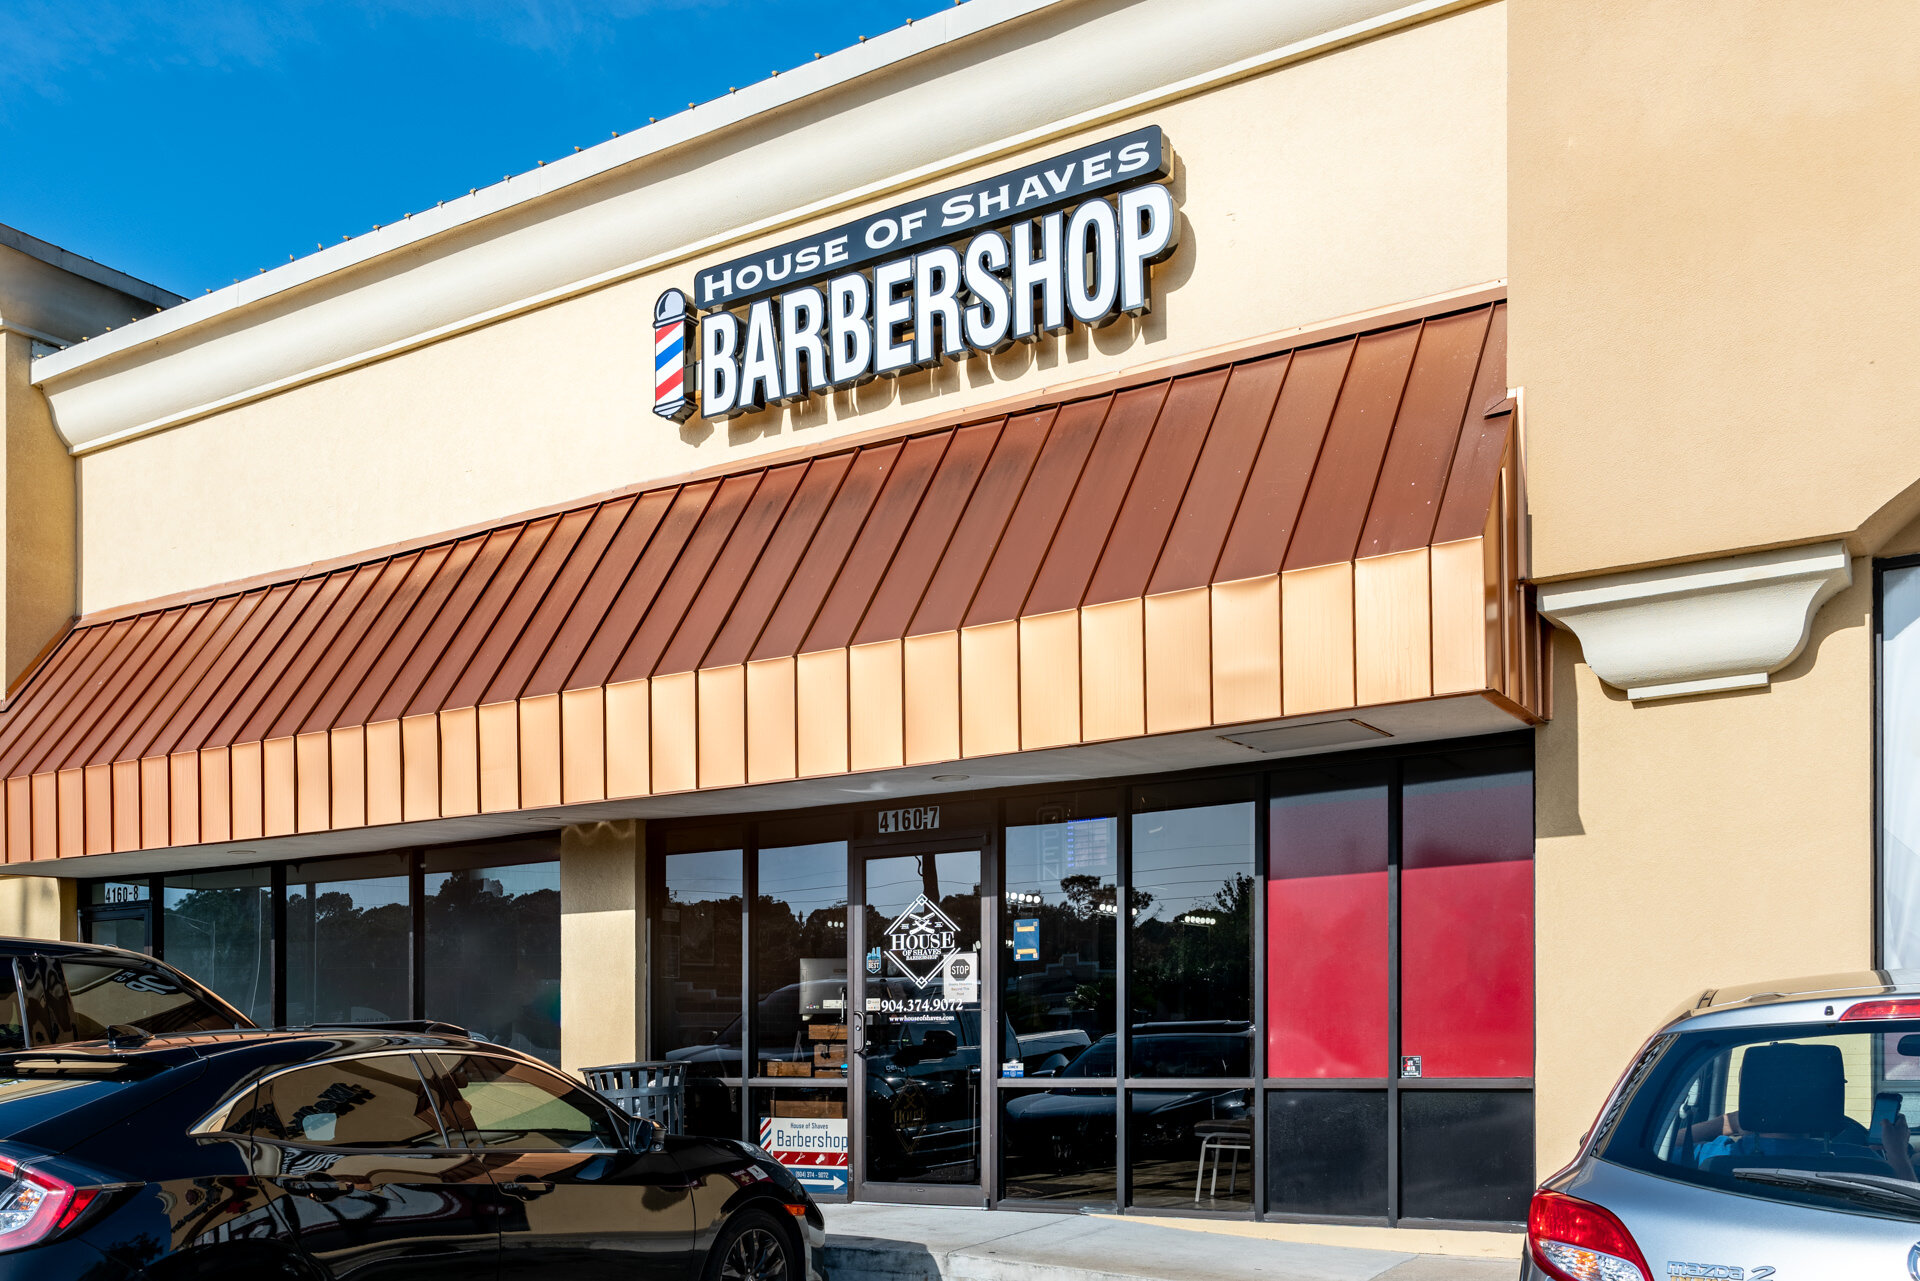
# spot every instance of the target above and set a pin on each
(10, 946)
(1812, 998)
(283, 1045)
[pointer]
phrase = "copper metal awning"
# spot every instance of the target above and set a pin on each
(1273, 534)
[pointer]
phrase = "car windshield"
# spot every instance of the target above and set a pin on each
(106, 993)
(1814, 1114)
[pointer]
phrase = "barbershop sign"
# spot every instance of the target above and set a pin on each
(1012, 258)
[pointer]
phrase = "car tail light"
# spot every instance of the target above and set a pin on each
(34, 1205)
(1575, 1240)
(1882, 1010)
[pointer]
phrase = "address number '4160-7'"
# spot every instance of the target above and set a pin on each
(914, 818)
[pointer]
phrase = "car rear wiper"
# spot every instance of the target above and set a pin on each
(1876, 1189)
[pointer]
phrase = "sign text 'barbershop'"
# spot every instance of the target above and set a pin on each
(1012, 258)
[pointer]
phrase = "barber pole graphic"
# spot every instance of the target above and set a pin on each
(672, 356)
(814, 1150)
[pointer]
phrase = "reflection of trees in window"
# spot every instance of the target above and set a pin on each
(493, 955)
(1072, 984)
(701, 964)
(1198, 963)
(782, 936)
(224, 938)
(347, 962)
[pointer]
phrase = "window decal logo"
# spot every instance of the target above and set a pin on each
(921, 939)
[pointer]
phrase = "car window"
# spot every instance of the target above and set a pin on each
(12, 1032)
(107, 993)
(1190, 1054)
(509, 1104)
(1096, 1060)
(374, 1102)
(1812, 1114)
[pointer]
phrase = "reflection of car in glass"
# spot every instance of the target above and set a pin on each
(365, 1155)
(923, 1096)
(52, 992)
(780, 1031)
(1764, 1130)
(1061, 1126)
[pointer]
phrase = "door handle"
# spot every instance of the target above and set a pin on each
(527, 1189)
(319, 1189)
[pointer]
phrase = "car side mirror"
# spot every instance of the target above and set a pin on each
(643, 1135)
(1909, 1046)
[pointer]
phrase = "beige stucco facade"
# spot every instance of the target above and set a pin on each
(1713, 257)
(603, 932)
(48, 297)
(1705, 218)
(1712, 263)
(1384, 184)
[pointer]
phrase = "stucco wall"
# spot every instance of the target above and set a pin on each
(1714, 261)
(38, 907)
(1693, 843)
(603, 932)
(37, 555)
(1369, 176)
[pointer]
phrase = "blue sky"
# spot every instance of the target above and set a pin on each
(189, 144)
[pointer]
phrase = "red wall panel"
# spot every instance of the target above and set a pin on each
(1466, 914)
(1327, 938)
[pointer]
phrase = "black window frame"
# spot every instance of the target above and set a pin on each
(743, 832)
(416, 858)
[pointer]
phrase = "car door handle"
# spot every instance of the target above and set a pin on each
(527, 1189)
(319, 1189)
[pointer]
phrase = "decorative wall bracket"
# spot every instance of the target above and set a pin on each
(1710, 625)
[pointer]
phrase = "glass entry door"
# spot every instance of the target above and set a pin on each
(918, 1082)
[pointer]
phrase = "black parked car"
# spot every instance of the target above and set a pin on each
(364, 1155)
(51, 993)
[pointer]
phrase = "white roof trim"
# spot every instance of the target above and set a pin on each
(807, 79)
(85, 268)
(110, 387)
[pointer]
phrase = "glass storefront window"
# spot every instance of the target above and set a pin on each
(1058, 929)
(805, 1129)
(493, 942)
(923, 1053)
(349, 940)
(1327, 931)
(1058, 1145)
(799, 943)
(697, 984)
(1466, 1154)
(1900, 767)
(1191, 1149)
(1327, 1152)
(218, 928)
(1190, 941)
(1466, 913)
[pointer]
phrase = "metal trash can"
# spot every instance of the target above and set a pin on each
(654, 1092)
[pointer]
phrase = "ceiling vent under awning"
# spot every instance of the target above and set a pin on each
(1309, 738)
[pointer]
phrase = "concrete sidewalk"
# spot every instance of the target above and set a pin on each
(867, 1242)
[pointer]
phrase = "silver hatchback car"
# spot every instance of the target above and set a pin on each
(1762, 1134)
